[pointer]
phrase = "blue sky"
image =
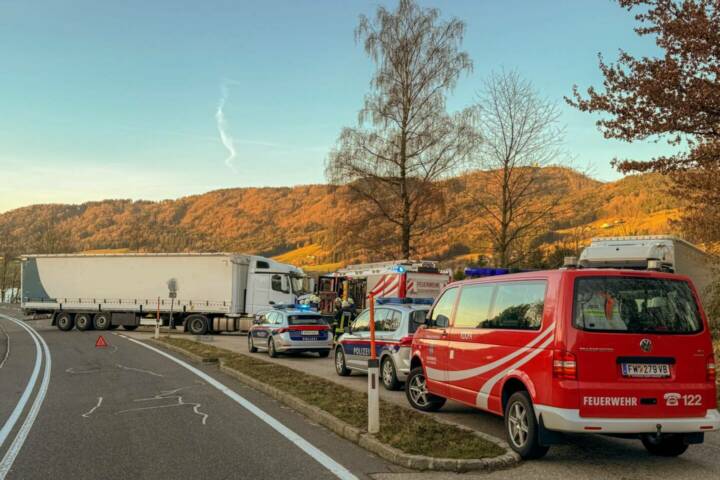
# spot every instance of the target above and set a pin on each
(118, 99)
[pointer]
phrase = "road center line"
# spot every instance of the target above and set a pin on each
(316, 454)
(22, 434)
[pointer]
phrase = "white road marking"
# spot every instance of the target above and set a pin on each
(75, 371)
(138, 370)
(316, 454)
(24, 430)
(7, 346)
(90, 412)
(10, 422)
(167, 395)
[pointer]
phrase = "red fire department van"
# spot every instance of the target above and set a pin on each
(617, 352)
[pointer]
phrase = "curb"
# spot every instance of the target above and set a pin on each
(369, 442)
(359, 436)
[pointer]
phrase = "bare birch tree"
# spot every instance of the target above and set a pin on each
(521, 135)
(405, 140)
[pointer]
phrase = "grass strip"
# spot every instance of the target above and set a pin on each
(407, 430)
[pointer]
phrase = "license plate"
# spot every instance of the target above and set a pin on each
(646, 370)
(309, 333)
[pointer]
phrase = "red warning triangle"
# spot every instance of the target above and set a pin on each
(101, 343)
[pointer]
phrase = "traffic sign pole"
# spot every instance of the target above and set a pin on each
(373, 377)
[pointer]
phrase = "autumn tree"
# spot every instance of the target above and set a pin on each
(521, 135)
(405, 140)
(675, 96)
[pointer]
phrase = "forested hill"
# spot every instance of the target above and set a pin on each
(298, 222)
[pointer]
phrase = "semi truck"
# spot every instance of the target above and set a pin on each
(659, 252)
(199, 292)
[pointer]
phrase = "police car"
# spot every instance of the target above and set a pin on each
(396, 320)
(290, 329)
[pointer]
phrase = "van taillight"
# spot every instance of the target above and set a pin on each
(564, 365)
(406, 341)
(711, 370)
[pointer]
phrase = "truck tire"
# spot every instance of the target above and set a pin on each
(666, 445)
(522, 428)
(129, 328)
(83, 321)
(197, 324)
(418, 396)
(102, 321)
(64, 321)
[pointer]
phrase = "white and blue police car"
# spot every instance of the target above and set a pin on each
(290, 328)
(396, 320)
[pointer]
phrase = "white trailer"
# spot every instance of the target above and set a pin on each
(205, 292)
(673, 254)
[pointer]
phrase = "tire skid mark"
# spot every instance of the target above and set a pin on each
(168, 395)
(149, 372)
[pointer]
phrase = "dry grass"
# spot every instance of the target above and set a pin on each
(405, 429)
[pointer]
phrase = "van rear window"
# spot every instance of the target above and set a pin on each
(635, 305)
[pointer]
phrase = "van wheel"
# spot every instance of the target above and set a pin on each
(388, 374)
(271, 348)
(340, 365)
(83, 321)
(522, 428)
(197, 324)
(64, 321)
(666, 445)
(130, 328)
(102, 321)
(417, 394)
(251, 345)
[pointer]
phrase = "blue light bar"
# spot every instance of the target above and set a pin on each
(485, 272)
(403, 301)
(294, 306)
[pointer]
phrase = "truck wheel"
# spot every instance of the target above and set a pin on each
(197, 324)
(417, 394)
(64, 321)
(521, 427)
(389, 377)
(83, 321)
(271, 348)
(251, 345)
(101, 321)
(340, 365)
(130, 328)
(666, 445)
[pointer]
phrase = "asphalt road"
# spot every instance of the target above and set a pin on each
(583, 457)
(128, 412)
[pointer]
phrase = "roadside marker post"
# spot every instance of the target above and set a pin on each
(157, 322)
(373, 371)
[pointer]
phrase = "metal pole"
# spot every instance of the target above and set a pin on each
(373, 372)
(157, 321)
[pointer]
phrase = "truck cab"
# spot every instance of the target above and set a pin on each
(273, 283)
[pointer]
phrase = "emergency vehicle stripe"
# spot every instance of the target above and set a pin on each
(456, 375)
(484, 393)
(394, 284)
(410, 286)
(380, 285)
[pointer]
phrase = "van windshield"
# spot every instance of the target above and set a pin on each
(635, 305)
